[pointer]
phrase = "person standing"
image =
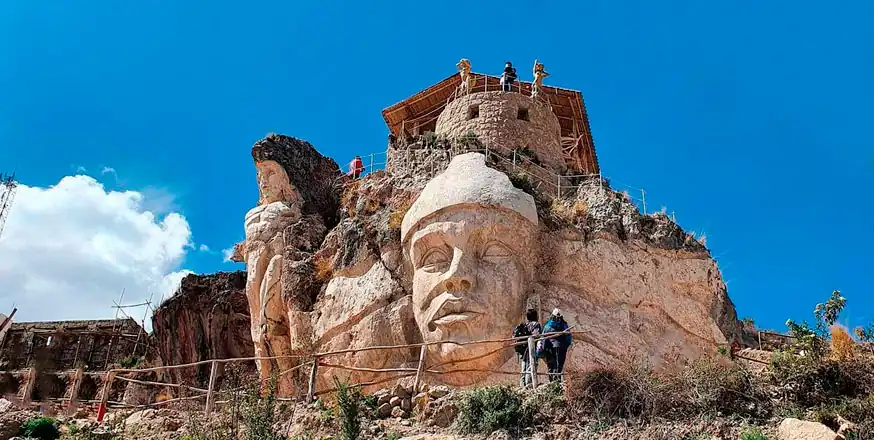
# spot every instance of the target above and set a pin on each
(559, 344)
(508, 77)
(531, 327)
(356, 167)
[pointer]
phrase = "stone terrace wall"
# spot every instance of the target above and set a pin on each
(66, 345)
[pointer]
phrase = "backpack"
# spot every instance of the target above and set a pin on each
(519, 331)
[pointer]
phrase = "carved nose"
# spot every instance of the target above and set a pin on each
(456, 284)
(462, 274)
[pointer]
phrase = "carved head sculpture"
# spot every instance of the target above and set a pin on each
(273, 183)
(470, 238)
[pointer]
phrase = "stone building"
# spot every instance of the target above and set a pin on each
(553, 129)
(65, 360)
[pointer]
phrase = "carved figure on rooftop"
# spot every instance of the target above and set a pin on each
(278, 207)
(539, 74)
(472, 251)
(467, 80)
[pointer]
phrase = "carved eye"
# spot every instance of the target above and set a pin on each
(496, 253)
(433, 260)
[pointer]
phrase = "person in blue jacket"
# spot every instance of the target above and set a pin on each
(560, 344)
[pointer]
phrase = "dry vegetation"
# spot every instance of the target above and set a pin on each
(324, 268)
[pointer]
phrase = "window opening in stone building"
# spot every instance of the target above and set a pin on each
(473, 112)
(522, 114)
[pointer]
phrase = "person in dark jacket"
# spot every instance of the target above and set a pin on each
(508, 77)
(558, 344)
(532, 327)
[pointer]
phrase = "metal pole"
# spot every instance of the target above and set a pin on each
(532, 362)
(421, 368)
(370, 170)
(558, 185)
(210, 393)
(514, 160)
(643, 197)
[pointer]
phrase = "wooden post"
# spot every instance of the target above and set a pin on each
(104, 395)
(74, 391)
(759, 334)
(421, 368)
(558, 185)
(26, 390)
(311, 389)
(514, 160)
(210, 392)
(532, 361)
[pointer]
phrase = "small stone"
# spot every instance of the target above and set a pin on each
(406, 404)
(385, 398)
(395, 401)
(384, 410)
(406, 422)
(439, 391)
(397, 412)
(400, 391)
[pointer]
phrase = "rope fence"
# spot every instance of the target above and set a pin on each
(314, 362)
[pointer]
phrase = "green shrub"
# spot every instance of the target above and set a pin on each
(130, 361)
(752, 433)
(43, 428)
(811, 382)
(348, 399)
(522, 181)
(485, 410)
(259, 412)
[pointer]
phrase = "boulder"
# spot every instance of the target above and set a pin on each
(794, 429)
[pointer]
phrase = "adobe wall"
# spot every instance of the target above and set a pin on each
(495, 118)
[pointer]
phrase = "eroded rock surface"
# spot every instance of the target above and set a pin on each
(207, 318)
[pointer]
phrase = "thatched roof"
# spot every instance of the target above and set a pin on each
(418, 114)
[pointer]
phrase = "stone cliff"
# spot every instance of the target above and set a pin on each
(480, 244)
(207, 318)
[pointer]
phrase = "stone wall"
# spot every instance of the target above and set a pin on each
(66, 345)
(506, 121)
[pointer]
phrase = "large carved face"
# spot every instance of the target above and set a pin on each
(471, 267)
(273, 182)
(469, 238)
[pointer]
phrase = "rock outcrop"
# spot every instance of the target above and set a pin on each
(207, 318)
(460, 257)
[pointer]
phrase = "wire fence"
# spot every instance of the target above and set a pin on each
(546, 180)
(319, 362)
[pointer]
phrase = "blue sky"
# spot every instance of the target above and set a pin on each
(748, 119)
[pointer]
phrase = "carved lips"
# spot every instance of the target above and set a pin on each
(448, 309)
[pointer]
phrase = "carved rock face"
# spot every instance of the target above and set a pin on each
(469, 283)
(471, 240)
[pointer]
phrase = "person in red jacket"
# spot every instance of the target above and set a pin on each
(356, 167)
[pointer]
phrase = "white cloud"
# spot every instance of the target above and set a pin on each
(107, 170)
(69, 250)
(203, 248)
(81, 169)
(228, 253)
